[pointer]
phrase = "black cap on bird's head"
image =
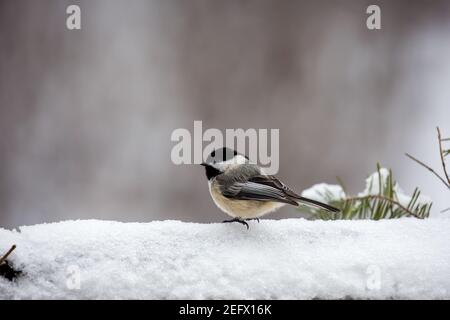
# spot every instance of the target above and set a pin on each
(214, 164)
(221, 155)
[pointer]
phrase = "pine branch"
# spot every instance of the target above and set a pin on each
(2, 259)
(441, 152)
(6, 270)
(429, 168)
(383, 198)
(384, 205)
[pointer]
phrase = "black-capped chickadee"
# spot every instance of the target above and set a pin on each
(244, 192)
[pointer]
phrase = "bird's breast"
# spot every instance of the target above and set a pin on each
(245, 209)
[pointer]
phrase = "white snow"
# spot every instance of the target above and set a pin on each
(324, 192)
(284, 259)
(373, 182)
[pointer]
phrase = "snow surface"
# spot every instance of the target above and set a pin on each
(275, 259)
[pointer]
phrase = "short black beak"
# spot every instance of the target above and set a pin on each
(203, 164)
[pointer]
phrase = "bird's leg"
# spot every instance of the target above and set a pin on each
(237, 220)
(257, 219)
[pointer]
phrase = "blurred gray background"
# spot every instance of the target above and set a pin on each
(86, 116)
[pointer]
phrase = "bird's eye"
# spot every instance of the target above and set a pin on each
(235, 153)
(213, 154)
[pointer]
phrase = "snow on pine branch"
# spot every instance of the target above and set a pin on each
(382, 198)
(284, 259)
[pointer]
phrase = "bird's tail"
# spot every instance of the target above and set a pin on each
(317, 204)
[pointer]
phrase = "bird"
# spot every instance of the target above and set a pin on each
(244, 192)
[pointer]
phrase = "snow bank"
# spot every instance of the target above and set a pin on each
(284, 259)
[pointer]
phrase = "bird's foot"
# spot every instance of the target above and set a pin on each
(257, 219)
(237, 220)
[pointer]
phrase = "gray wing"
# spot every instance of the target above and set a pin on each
(249, 187)
(272, 181)
(277, 184)
(266, 188)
